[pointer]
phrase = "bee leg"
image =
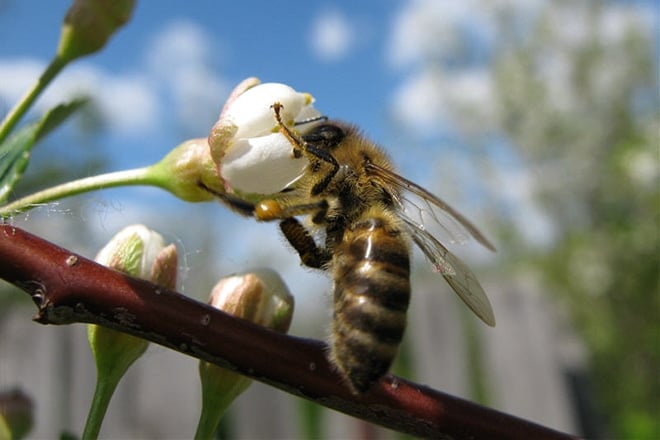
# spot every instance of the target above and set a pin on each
(236, 204)
(271, 209)
(323, 155)
(298, 236)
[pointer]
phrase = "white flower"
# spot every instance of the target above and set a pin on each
(246, 145)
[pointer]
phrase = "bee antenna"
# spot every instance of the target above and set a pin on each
(310, 120)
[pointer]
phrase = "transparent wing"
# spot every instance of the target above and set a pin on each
(431, 209)
(435, 221)
(456, 273)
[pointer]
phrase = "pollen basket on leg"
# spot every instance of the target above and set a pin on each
(268, 210)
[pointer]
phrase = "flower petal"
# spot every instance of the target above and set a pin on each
(307, 113)
(251, 111)
(261, 165)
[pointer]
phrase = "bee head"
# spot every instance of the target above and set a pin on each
(325, 136)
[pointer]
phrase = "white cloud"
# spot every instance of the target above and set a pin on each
(16, 75)
(618, 21)
(333, 35)
(447, 84)
(181, 56)
(426, 30)
(128, 102)
(133, 103)
(575, 29)
(431, 101)
(516, 189)
(421, 29)
(434, 30)
(178, 43)
(417, 102)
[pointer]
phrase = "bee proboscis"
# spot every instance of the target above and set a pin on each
(351, 194)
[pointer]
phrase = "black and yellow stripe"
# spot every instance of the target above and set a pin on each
(371, 296)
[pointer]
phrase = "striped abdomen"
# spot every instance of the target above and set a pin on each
(371, 294)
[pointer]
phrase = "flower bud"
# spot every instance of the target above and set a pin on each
(260, 297)
(186, 167)
(142, 253)
(89, 24)
(139, 252)
(16, 414)
(246, 144)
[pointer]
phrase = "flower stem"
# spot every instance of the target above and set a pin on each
(207, 424)
(105, 387)
(12, 118)
(138, 176)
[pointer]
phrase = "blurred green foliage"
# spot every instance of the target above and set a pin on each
(593, 130)
(563, 98)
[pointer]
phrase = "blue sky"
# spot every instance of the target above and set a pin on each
(164, 77)
(297, 43)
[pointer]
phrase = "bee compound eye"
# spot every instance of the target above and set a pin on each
(268, 210)
(327, 135)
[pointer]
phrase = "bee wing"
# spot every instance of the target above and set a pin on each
(456, 273)
(452, 222)
(430, 209)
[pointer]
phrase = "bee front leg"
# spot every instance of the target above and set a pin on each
(236, 204)
(298, 236)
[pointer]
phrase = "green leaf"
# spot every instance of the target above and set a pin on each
(15, 151)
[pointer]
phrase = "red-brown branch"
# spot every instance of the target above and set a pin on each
(68, 288)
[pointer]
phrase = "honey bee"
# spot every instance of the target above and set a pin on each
(366, 212)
